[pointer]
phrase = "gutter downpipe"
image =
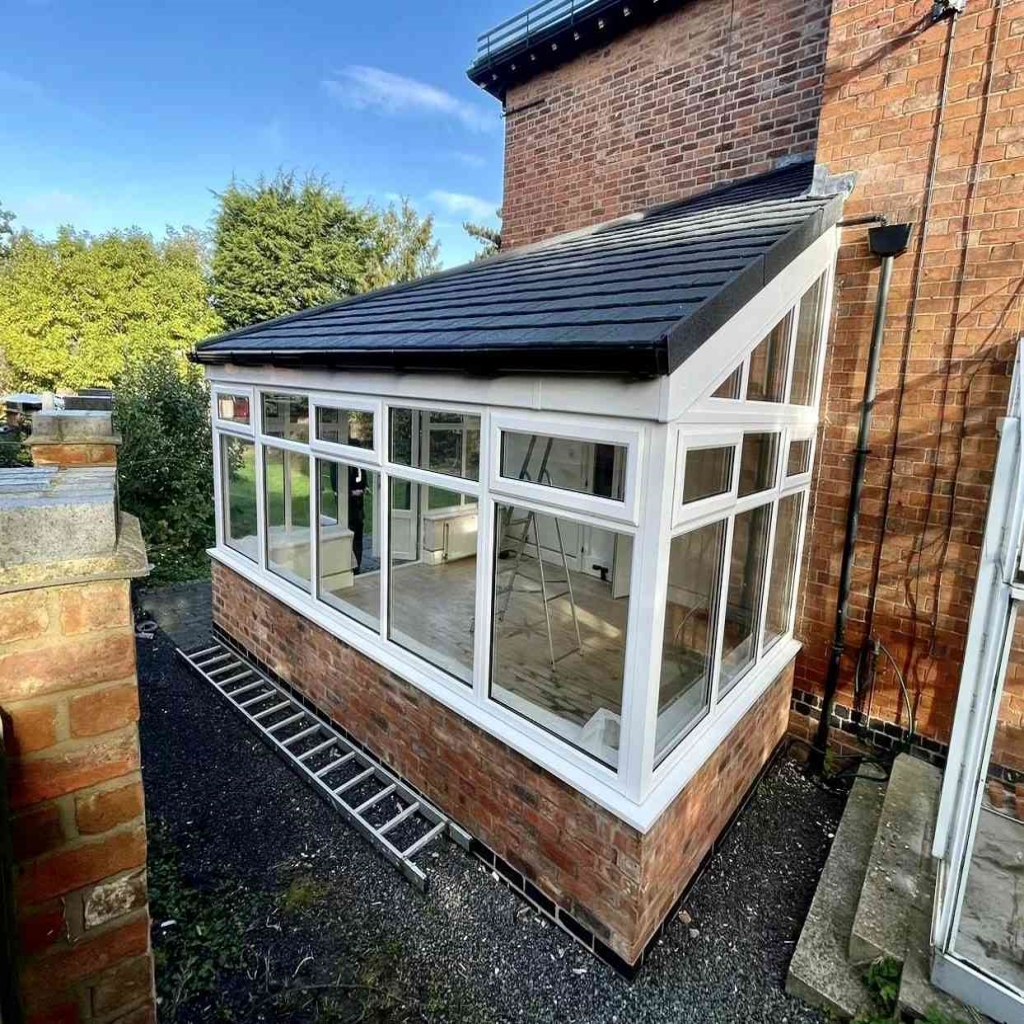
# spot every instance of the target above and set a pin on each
(886, 242)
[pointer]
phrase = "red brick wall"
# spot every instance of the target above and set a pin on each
(615, 881)
(69, 698)
(947, 351)
(714, 91)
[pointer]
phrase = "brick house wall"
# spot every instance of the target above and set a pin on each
(714, 91)
(955, 313)
(618, 883)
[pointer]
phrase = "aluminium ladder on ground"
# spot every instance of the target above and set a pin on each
(528, 523)
(327, 761)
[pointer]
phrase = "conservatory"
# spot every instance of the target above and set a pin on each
(531, 530)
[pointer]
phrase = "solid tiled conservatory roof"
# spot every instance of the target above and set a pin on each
(636, 296)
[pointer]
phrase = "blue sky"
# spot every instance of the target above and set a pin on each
(116, 113)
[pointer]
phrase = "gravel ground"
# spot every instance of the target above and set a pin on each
(268, 907)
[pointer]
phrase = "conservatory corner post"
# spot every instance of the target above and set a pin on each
(651, 578)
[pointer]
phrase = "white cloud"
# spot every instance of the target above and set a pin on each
(365, 88)
(462, 204)
(27, 91)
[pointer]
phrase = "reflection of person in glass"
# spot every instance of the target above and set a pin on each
(356, 492)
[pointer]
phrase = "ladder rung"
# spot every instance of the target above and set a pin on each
(399, 818)
(423, 840)
(267, 712)
(255, 700)
(286, 722)
(376, 799)
(231, 666)
(204, 665)
(202, 654)
(234, 679)
(327, 769)
(354, 781)
(246, 689)
(302, 735)
(318, 749)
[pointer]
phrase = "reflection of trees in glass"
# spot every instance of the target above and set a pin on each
(401, 436)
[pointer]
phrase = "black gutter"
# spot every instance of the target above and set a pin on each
(886, 242)
(629, 361)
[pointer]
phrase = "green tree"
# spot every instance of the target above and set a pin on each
(281, 245)
(6, 231)
(165, 462)
(404, 247)
(77, 311)
(489, 238)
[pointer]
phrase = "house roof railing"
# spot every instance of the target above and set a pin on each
(523, 28)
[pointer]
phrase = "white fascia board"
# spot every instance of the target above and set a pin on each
(601, 396)
(745, 329)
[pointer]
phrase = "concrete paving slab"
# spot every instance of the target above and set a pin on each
(900, 874)
(820, 972)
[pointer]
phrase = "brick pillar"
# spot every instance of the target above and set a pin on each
(77, 438)
(69, 697)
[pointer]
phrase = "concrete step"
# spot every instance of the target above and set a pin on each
(820, 972)
(918, 997)
(899, 883)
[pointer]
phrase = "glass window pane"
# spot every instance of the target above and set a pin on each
(730, 387)
(691, 619)
(768, 364)
(758, 463)
(432, 561)
(286, 416)
(799, 460)
(349, 540)
(783, 577)
(353, 427)
(238, 473)
(286, 480)
(746, 583)
(442, 442)
(565, 463)
(808, 341)
(708, 471)
(561, 597)
(233, 408)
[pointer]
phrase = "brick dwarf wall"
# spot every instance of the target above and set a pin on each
(616, 882)
(70, 701)
(944, 376)
(714, 91)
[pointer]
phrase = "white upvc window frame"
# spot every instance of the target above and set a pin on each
(585, 429)
(232, 426)
(702, 440)
(350, 453)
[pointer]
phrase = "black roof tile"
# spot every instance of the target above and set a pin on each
(636, 296)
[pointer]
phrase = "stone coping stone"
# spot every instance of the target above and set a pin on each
(820, 972)
(127, 561)
(48, 514)
(900, 878)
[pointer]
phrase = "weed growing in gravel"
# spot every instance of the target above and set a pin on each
(883, 983)
(201, 935)
(303, 893)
